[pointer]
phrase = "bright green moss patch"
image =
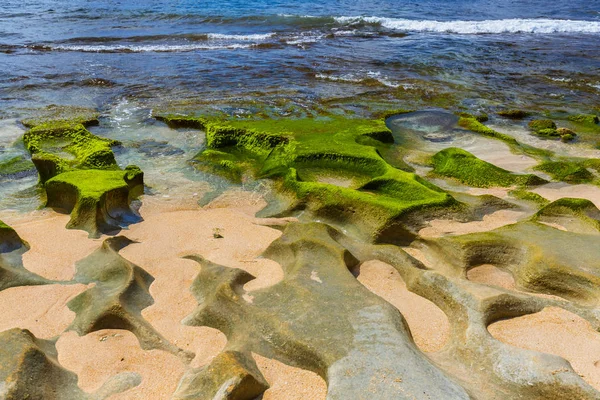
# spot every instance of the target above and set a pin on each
(80, 174)
(566, 171)
(475, 126)
(543, 127)
(584, 119)
(465, 167)
(479, 117)
(98, 200)
(522, 194)
(331, 165)
(57, 147)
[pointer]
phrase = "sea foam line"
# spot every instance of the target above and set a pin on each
(148, 48)
(475, 27)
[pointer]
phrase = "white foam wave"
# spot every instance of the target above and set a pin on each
(148, 48)
(360, 78)
(305, 38)
(252, 37)
(546, 26)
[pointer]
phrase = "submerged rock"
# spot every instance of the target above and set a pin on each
(514, 114)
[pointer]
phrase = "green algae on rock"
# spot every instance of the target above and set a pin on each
(571, 213)
(522, 194)
(541, 258)
(98, 200)
(566, 171)
(464, 166)
(57, 147)
(543, 127)
(314, 160)
(80, 175)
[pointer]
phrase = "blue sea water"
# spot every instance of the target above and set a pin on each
(93, 52)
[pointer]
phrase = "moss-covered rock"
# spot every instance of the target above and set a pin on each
(98, 200)
(522, 194)
(585, 119)
(543, 127)
(464, 166)
(571, 213)
(80, 174)
(482, 117)
(307, 156)
(566, 171)
(474, 125)
(56, 113)
(542, 259)
(514, 114)
(58, 147)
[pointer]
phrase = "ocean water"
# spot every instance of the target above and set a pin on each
(96, 52)
(125, 58)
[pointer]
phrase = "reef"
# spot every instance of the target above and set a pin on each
(439, 229)
(16, 167)
(330, 166)
(514, 114)
(366, 351)
(80, 174)
(468, 169)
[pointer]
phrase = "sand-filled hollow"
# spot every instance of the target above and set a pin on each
(555, 331)
(491, 275)
(290, 383)
(428, 324)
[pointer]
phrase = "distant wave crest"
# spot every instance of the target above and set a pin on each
(544, 26)
(157, 48)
